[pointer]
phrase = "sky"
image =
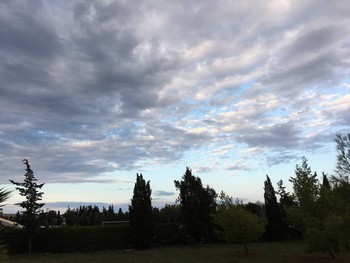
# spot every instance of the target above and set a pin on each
(93, 92)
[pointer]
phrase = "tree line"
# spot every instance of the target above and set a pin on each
(317, 209)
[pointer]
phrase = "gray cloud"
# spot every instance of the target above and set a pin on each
(278, 135)
(163, 193)
(89, 87)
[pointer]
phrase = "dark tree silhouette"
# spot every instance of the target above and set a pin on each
(197, 204)
(276, 228)
(141, 220)
(30, 190)
(286, 198)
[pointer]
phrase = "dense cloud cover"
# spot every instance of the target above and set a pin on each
(89, 87)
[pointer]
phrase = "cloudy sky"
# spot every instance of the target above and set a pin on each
(93, 92)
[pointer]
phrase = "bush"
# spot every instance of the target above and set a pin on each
(326, 237)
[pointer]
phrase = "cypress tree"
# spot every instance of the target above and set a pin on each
(141, 220)
(276, 227)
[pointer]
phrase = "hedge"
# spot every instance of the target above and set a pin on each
(85, 239)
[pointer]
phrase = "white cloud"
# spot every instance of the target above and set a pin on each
(93, 87)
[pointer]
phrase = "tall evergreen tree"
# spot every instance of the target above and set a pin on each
(197, 204)
(326, 203)
(30, 190)
(141, 220)
(276, 226)
(305, 186)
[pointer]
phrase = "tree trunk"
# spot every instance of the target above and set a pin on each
(331, 253)
(245, 248)
(30, 245)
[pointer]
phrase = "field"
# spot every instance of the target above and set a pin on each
(259, 252)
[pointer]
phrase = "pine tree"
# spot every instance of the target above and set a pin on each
(141, 220)
(305, 186)
(276, 226)
(197, 205)
(30, 189)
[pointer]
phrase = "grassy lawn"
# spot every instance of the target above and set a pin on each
(259, 252)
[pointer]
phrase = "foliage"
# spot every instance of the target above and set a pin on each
(306, 192)
(141, 220)
(83, 216)
(92, 216)
(327, 203)
(322, 211)
(286, 199)
(30, 190)
(4, 195)
(71, 239)
(326, 236)
(237, 225)
(87, 239)
(225, 200)
(327, 228)
(168, 234)
(197, 204)
(277, 227)
(305, 186)
(168, 214)
(341, 181)
(343, 158)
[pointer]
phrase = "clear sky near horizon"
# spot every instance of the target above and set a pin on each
(93, 92)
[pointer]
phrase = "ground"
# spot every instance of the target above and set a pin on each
(259, 252)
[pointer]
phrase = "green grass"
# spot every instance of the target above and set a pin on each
(259, 252)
